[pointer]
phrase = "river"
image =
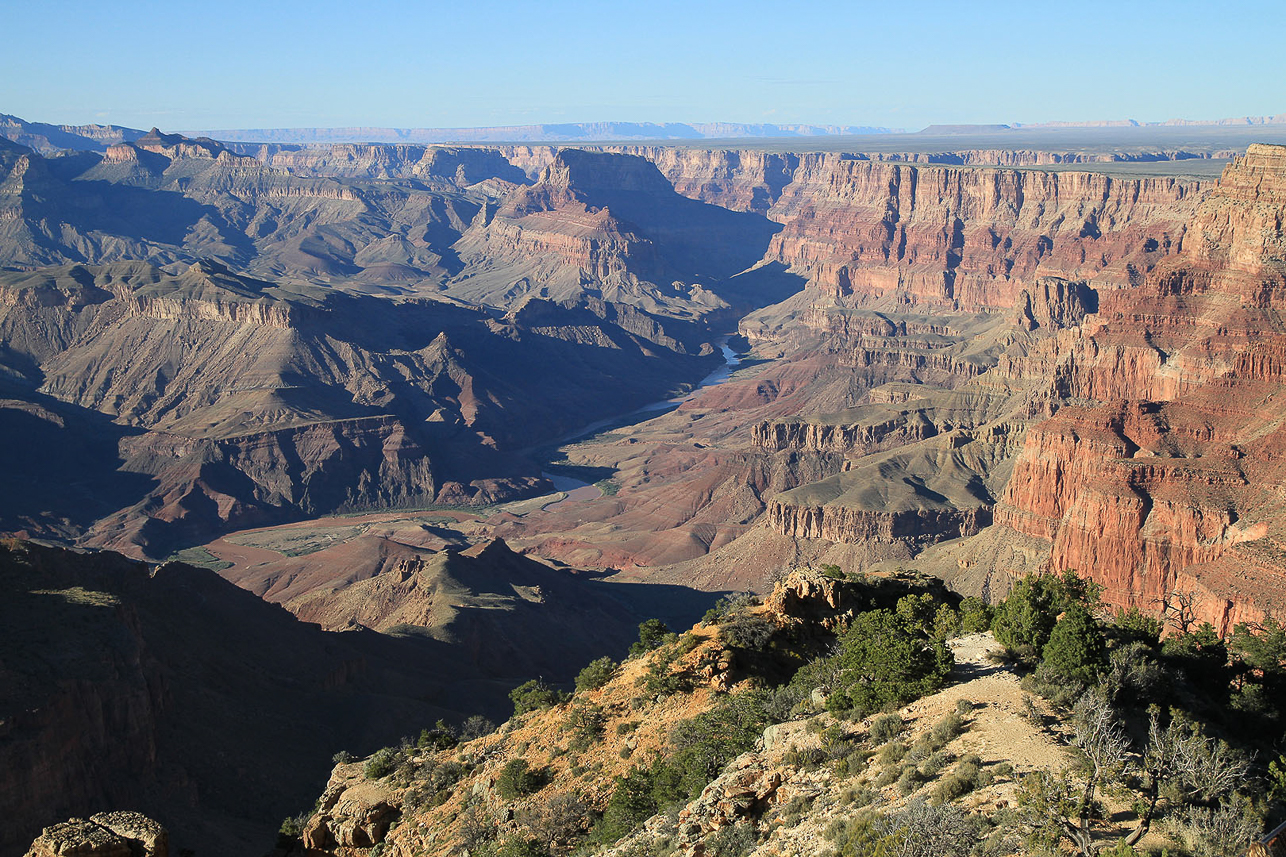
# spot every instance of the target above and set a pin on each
(578, 490)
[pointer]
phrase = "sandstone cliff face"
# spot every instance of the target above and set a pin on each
(914, 528)
(969, 238)
(1165, 481)
(860, 228)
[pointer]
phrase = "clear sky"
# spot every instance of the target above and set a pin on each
(282, 63)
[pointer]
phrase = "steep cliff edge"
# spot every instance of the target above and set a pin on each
(1165, 477)
(1137, 413)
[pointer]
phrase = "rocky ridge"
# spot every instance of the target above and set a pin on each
(778, 790)
(247, 402)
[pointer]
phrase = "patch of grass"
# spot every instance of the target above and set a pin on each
(967, 776)
(81, 595)
(199, 557)
(296, 541)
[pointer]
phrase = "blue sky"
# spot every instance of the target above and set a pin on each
(189, 66)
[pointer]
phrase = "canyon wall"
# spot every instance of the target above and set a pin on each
(1165, 479)
(1143, 438)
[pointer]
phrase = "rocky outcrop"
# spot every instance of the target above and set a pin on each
(351, 814)
(610, 225)
(881, 426)
(806, 601)
(107, 834)
(914, 527)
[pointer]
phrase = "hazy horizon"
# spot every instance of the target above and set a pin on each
(332, 65)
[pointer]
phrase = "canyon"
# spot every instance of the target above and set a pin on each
(342, 376)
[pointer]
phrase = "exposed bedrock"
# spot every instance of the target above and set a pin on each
(1166, 478)
(914, 527)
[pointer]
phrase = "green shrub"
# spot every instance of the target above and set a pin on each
(809, 758)
(1060, 691)
(732, 603)
(293, 827)
(698, 750)
(894, 751)
(733, 841)
(886, 662)
(521, 846)
(858, 797)
(934, 764)
(1024, 621)
(475, 726)
(946, 729)
(888, 776)
(380, 764)
(834, 572)
(598, 673)
(964, 778)
(704, 744)
(1133, 626)
(633, 802)
(748, 631)
(533, 696)
(909, 780)
(854, 763)
(886, 727)
(975, 615)
(1076, 649)
(440, 737)
(517, 778)
(946, 623)
(586, 723)
(653, 634)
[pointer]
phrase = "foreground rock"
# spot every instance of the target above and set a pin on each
(107, 834)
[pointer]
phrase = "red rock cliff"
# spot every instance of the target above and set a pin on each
(1167, 477)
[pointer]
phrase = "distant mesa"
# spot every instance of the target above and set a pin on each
(952, 130)
(565, 132)
(47, 139)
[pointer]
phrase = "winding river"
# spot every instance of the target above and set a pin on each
(578, 490)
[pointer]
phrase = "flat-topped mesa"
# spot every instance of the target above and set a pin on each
(176, 145)
(918, 413)
(1238, 228)
(588, 172)
(914, 528)
(969, 238)
(461, 166)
